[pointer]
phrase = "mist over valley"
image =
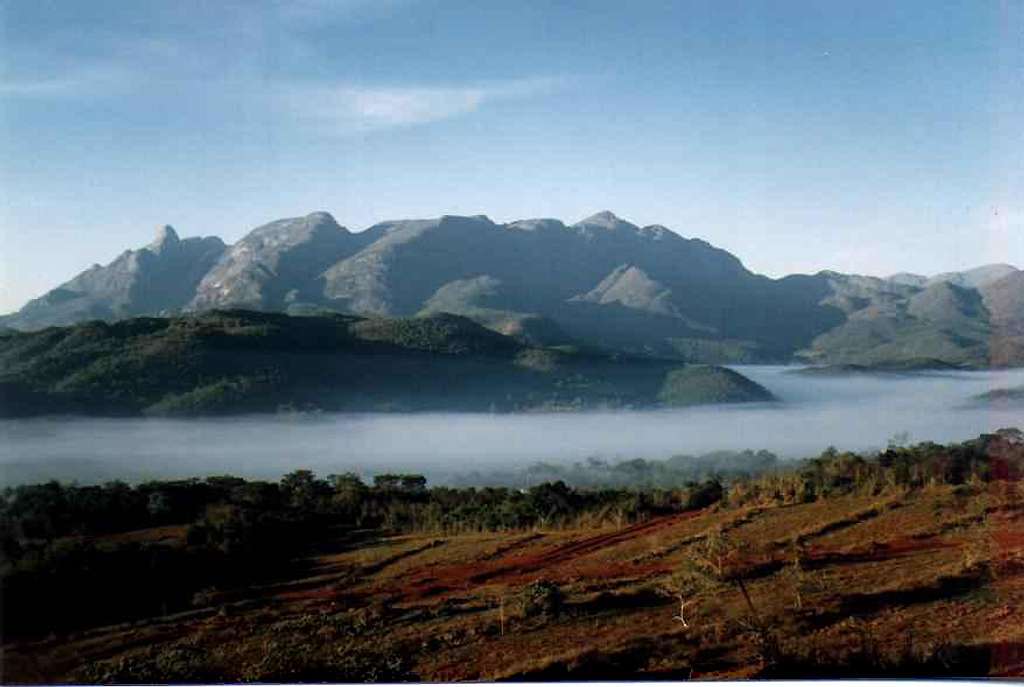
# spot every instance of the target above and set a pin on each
(858, 412)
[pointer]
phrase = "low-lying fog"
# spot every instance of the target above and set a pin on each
(860, 413)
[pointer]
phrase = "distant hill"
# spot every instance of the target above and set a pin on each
(229, 362)
(970, 319)
(909, 365)
(601, 282)
(1013, 396)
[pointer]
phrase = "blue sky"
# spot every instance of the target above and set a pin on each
(867, 137)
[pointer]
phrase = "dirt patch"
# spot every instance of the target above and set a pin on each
(514, 546)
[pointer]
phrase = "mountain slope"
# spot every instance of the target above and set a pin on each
(630, 287)
(160, 277)
(975, 278)
(1004, 300)
(276, 265)
(891, 322)
(228, 362)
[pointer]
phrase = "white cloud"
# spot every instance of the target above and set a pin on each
(345, 109)
(396, 107)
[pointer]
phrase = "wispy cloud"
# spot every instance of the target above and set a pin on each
(345, 109)
(320, 12)
(82, 82)
(326, 107)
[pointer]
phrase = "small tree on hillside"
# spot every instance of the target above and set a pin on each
(800, 580)
(702, 575)
(716, 565)
(693, 585)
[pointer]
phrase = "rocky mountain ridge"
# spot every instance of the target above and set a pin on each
(602, 281)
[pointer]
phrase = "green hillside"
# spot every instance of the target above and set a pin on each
(229, 362)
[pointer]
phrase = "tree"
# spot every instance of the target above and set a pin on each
(704, 495)
(346, 482)
(408, 483)
(798, 577)
(301, 489)
(414, 483)
(387, 482)
(715, 565)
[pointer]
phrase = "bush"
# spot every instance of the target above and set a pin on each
(181, 663)
(542, 599)
(704, 495)
(296, 660)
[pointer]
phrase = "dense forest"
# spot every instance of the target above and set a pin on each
(235, 362)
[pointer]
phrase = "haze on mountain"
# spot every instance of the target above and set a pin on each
(602, 281)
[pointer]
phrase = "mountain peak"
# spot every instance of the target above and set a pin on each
(605, 218)
(539, 224)
(976, 278)
(165, 236)
(321, 217)
(462, 218)
(322, 221)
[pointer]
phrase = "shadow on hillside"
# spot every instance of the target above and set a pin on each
(1001, 659)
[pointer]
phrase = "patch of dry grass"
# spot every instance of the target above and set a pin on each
(943, 566)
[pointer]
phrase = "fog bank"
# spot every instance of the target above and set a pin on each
(860, 413)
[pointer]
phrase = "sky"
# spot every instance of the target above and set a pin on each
(870, 137)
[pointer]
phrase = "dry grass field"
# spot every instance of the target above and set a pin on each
(917, 582)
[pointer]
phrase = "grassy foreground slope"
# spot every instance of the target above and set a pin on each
(907, 564)
(225, 362)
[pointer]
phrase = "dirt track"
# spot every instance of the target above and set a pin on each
(510, 569)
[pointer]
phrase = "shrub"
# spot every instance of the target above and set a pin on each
(542, 599)
(704, 495)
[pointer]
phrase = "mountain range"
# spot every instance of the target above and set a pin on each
(602, 281)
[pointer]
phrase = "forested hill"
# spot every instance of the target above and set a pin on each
(236, 361)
